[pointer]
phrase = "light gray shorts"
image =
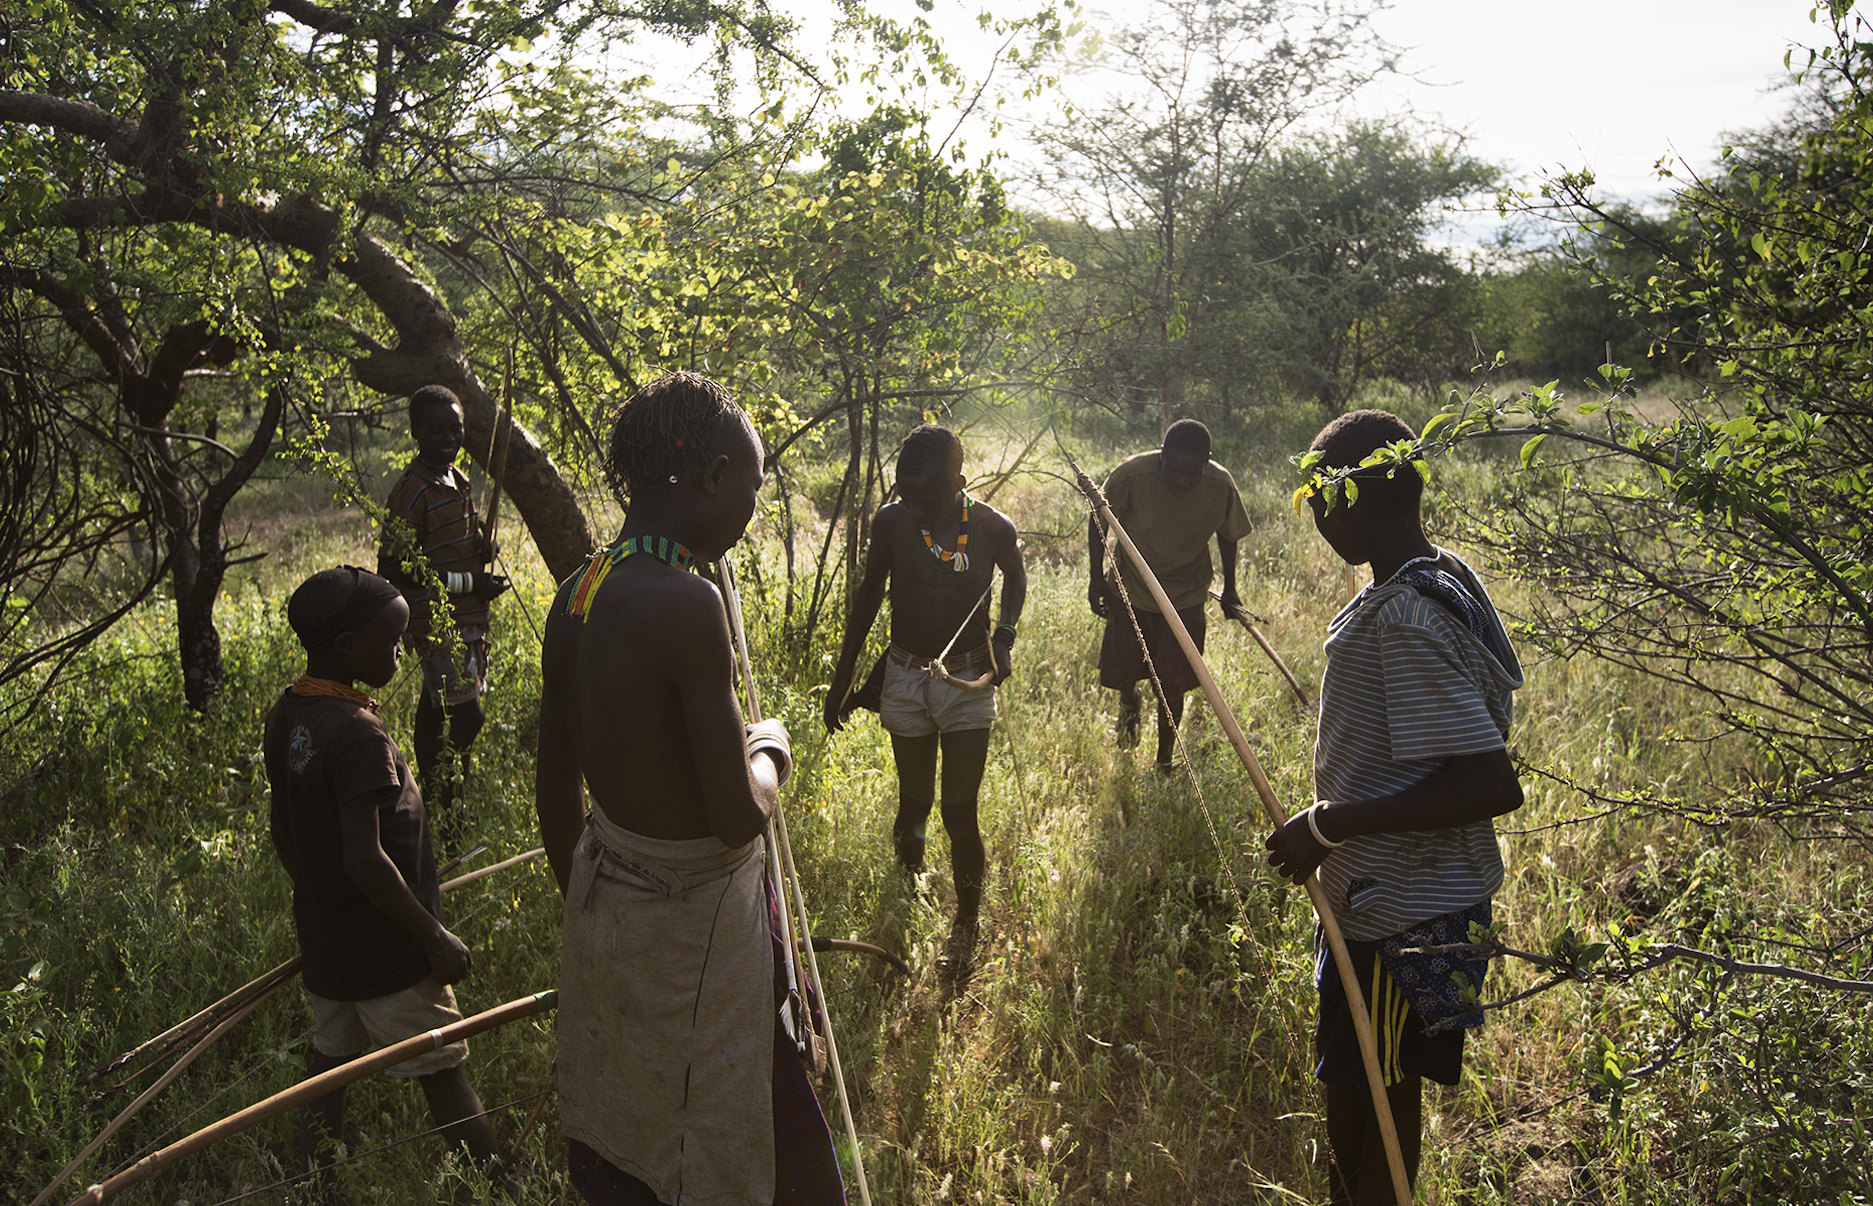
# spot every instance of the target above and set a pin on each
(916, 703)
(349, 1027)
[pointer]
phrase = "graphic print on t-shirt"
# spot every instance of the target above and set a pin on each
(300, 752)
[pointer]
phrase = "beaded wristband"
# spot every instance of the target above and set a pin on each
(1007, 628)
(1313, 827)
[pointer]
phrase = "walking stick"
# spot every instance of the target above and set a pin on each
(1242, 617)
(315, 1087)
(1355, 1003)
(779, 847)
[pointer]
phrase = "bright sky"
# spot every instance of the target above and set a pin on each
(1606, 84)
(1611, 85)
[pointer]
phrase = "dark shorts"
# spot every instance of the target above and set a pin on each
(1122, 660)
(1411, 990)
(455, 670)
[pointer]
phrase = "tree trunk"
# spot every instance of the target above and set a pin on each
(430, 352)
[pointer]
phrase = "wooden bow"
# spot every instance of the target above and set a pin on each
(1355, 1002)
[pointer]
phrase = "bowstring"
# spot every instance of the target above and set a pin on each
(267, 1058)
(381, 1148)
(1157, 684)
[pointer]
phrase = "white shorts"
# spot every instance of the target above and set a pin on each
(916, 703)
(346, 1028)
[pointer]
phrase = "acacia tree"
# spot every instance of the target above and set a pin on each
(839, 300)
(1728, 548)
(256, 187)
(1155, 174)
(1331, 268)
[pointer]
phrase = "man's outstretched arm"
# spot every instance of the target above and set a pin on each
(1226, 553)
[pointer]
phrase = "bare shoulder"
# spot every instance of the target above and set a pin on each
(892, 519)
(892, 524)
(994, 526)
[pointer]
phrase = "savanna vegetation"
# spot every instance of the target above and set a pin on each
(234, 235)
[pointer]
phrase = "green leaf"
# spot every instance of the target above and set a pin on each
(1528, 450)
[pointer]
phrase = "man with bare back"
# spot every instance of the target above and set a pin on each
(676, 1081)
(938, 550)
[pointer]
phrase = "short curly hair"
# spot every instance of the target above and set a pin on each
(928, 447)
(431, 395)
(1353, 437)
(1187, 436)
(669, 430)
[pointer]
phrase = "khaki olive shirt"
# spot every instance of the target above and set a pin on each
(1173, 533)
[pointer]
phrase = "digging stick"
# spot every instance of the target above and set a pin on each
(777, 830)
(1356, 1005)
(315, 1087)
(1242, 617)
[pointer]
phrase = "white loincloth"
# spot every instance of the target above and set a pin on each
(666, 1014)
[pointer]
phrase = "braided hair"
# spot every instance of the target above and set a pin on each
(668, 431)
(1357, 434)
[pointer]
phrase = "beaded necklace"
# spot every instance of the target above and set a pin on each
(959, 558)
(306, 684)
(599, 565)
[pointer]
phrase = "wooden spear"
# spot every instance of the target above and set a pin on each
(1355, 1002)
(315, 1087)
(1242, 617)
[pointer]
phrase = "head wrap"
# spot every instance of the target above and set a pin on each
(325, 607)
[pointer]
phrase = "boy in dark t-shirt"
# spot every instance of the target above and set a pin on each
(432, 537)
(349, 825)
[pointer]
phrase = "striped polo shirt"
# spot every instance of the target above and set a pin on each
(1408, 687)
(439, 513)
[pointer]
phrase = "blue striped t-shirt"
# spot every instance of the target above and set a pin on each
(1407, 687)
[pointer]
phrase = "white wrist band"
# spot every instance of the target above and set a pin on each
(459, 584)
(1313, 827)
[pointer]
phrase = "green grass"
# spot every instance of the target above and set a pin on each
(1138, 1027)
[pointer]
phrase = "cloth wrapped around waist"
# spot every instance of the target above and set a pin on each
(666, 1013)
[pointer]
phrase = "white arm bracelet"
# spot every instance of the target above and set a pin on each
(458, 584)
(1313, 827)
(771, 735)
